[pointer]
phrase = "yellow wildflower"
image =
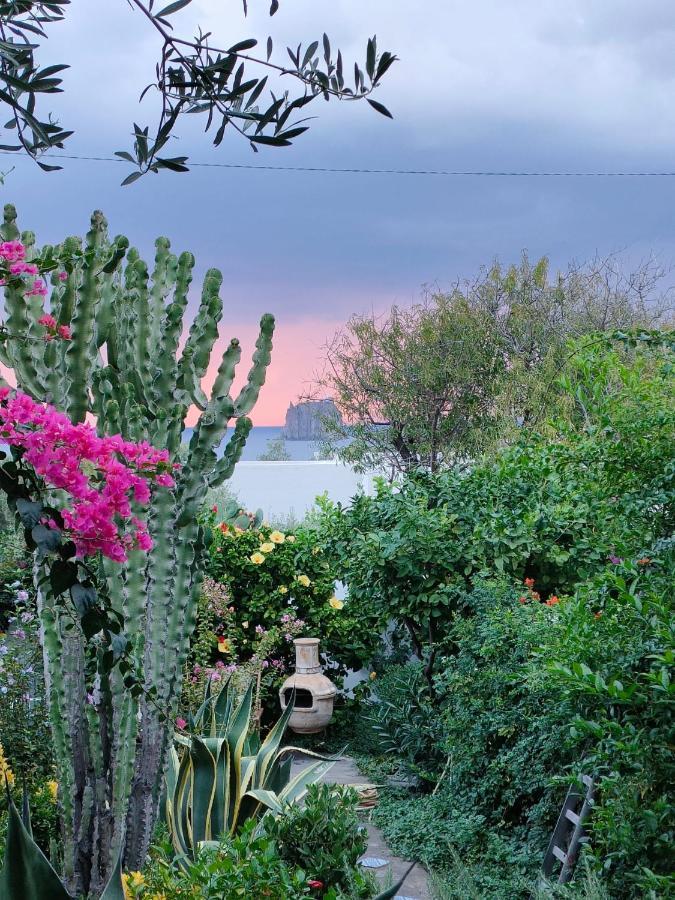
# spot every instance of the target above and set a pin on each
(53, 788)
(315, 551)
(277, 537)
(267, 547)
(304, 580)
(5, 770)
(223, 645)
(290, 538)
(335, 603)
(373, 676)
(258, 558)
(283, 589)
(132, 880)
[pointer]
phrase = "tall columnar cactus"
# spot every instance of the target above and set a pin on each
(124, 366)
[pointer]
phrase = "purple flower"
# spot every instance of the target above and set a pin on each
(22, 596)
(90, 699)
(615, 560)
(20, 634)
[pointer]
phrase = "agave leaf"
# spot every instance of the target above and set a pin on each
(270, 746)
(114, 890)
(203, 788)
(27, 873)
(267, 798)
(297, 787)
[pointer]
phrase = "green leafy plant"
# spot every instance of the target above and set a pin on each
(225, 775)
(323, 837)
(271, 576)
(193, 76)
(612, 661)
(26, 871)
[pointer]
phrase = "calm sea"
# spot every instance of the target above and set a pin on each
(260, 436)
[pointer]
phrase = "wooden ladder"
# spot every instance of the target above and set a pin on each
(569, 834)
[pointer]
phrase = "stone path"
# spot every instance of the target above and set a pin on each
(415, 886)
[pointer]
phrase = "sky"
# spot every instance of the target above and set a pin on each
(492, 85)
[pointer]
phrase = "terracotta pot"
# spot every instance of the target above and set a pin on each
(314, 693)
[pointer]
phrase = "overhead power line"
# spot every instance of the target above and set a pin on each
(334, 170)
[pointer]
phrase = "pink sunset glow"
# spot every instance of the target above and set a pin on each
(296, 356)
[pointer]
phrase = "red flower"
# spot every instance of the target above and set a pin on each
(645, 561)
(597, 615)
(315, 883)
(529, 582)
(522, 599)
(552, 600)
(214, 510)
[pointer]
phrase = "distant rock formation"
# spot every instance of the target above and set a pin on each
(304, 421)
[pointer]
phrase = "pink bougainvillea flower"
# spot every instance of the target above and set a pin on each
(102, 475)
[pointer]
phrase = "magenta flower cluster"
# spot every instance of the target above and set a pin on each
(12, 262)
(102, 475)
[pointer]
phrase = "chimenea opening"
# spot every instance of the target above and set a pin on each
(303, 698)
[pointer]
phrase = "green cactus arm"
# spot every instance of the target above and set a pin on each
(201, 338)
(224, 468)
(261, 360)
(80, 354)
(9, 230)
(164, 276)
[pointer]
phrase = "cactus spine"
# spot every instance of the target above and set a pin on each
(123, 366)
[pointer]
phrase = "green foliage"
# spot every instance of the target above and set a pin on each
(193, 75)
(291, 577)
(225, 775)
(243, 865)
(276, 451)
(323, 837)
(550, 509)
(403, 719)
(26, 871)
(612, 661)
(462, 372)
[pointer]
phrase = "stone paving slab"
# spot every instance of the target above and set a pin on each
(415, 887)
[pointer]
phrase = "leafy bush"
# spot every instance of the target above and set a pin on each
(551, 508)
(324, 838)
(612, 661)
(503, 736)
(404, 722)
(247, 865)
(269, 575)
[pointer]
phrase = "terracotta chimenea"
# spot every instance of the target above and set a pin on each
(314, 693)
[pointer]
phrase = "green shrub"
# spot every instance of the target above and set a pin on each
(247, 865)
(552, 507)
(292, 578)
(324, 837)
(612, 660)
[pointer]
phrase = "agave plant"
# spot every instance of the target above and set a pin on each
(27, 874)
(225, 775)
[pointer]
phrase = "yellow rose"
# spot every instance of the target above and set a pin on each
(290, 538)
(53, 787)
(335, 603)
(277, 537)
(283, 589)
(258, 558)
(304, 580)
(267, 547)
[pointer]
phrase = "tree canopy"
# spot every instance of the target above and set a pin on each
(195, 74)
(463, 370)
